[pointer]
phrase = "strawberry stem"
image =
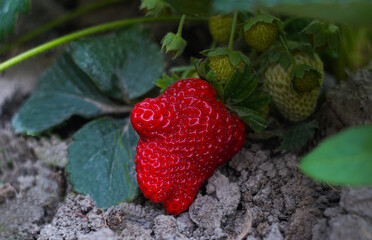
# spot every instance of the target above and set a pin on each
(283, 41)
(85, 32)
(232, 33)
(180, 26)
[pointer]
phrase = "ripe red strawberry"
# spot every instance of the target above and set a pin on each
(185, 134)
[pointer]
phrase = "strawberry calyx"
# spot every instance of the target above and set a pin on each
(245, 97)
(172, 43)
(323, 35)
(242, 93)
(179, 72)
(305, 78)
(277, 54)
(235, 57)
(260, 19)
(164, 82)
(223, 61)
(153, 7)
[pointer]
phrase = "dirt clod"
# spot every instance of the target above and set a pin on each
(30, 193)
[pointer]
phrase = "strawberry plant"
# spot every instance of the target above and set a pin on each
(167, 146)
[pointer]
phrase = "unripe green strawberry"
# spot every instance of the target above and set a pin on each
(222, 67)
(261, 35)
(307, 83)
(292, 105)
(220, 28)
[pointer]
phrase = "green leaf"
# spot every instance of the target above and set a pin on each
(217, 85)
(123, 65)
(324, 34)
(285, 61)
(298, 135)
(216, 52)
(244, 58)
(234, 58)
(240, 85)
(301, 46)
(259, 18)
(153, 7)
(166, 81)
(250, 117)
(257, 100)
(184, 71)
(201, 67)
(62, 91)
(300, 70)
(101, 161)
(313, 28)
(343, 159)
(320, 40)
(333, 39)
(9, 10)
(277, 54)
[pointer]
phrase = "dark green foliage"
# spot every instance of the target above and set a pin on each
(123, 65)
(343, 159)
(9, 10)
(323, 34)
(101, 161)
(298, 135)
(166, 81)
(63, 90)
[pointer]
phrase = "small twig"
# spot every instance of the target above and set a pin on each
(334, 188)
(81, 215)
(246, 228)
(104, 219)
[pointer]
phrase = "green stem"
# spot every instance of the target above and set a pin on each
(58, 21)
(232, 33)
(180, 26)
(286, 49)
(85, 32)
(213, 45)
